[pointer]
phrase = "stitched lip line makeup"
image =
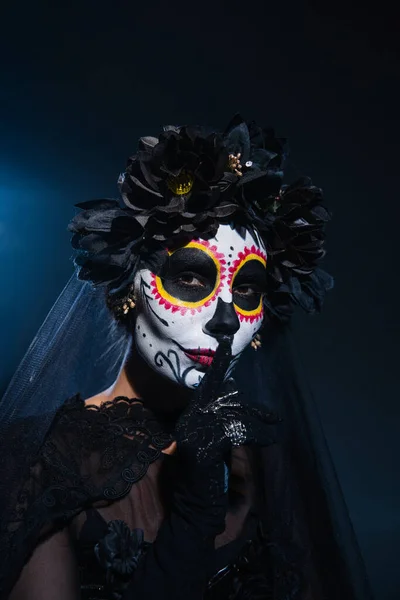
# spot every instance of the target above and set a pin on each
(204, 356)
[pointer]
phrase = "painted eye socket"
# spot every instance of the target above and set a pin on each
(249, 286)
(247, 291)
(247, 298)
(190, 280)
(183, 284)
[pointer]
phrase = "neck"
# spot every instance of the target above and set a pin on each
(137, 380)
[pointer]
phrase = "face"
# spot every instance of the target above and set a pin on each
(205, 289)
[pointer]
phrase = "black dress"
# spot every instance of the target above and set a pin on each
(102, 482)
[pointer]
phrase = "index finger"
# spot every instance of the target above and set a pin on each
(215, 374)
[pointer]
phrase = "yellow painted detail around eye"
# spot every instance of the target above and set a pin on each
(255, 311)
(250, 313)
(176, 301)
(245, 260)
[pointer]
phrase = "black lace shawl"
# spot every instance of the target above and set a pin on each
(89, 456)
(92, 457)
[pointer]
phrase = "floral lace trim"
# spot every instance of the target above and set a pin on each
(91, 454)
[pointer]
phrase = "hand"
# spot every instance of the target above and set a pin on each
(216, 419)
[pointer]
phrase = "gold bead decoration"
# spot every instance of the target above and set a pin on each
(180, 185)
(122, 307)
(128, 302)
(256, 342)
(235, 164)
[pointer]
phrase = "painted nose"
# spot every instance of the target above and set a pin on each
(224, 321)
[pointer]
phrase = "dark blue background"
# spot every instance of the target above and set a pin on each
(81, 83)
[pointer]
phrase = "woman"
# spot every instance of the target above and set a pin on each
(172, 480)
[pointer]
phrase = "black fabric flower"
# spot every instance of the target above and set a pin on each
(109, 239)
(262, 156)
(191, 153)
(174, 182)
(295, 238)
(182, 186)
(120, 551)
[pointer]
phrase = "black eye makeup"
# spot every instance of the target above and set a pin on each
(249, 283)
(189, 274)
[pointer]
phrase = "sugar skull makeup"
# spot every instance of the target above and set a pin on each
(204, 289)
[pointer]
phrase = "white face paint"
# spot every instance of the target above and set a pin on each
(206, 288)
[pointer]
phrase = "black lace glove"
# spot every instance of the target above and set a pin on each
(215, 420)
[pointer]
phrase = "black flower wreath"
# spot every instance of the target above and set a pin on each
(187, 182)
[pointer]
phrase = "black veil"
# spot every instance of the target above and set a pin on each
(305, 504)
(77, 349)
